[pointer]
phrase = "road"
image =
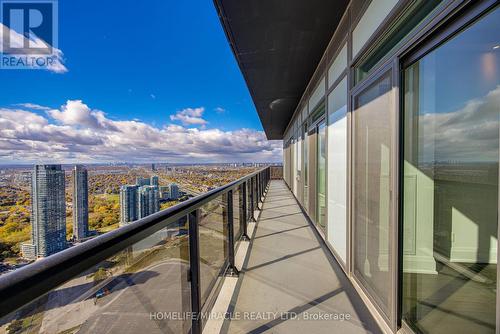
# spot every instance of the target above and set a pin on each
(128, 308)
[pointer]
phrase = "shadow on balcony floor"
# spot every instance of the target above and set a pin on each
(289, 283)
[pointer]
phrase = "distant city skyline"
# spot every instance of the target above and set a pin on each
(167, 167)
(101, 198)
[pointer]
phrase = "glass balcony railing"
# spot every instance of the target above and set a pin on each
(158, 274)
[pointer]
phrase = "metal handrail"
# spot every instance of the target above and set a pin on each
(33, 281)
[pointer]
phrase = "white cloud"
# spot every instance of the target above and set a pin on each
(33, 106)
(17, 40)
(190, 116)
(220, 110)
(77, 113)
(23, 125)
(467, 134)
(77, 133)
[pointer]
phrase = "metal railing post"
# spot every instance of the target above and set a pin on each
(252, 200)
(244, 207)
(256, 190)
(261, 187)
(231, 269)
(259, 198)
(256, 194)
(265, 181)
(194, 274)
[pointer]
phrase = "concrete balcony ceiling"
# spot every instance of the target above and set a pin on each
(278, 44)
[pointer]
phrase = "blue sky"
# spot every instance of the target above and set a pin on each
(142, 61)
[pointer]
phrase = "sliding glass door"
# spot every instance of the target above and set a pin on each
(450, 180)
(311, 178)
(305, 172)
(294, 166)
(321, 175)
(373, 128)
(337, 170)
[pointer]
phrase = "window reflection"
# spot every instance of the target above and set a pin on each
(337, 169)
(306, 168)
(372, 175)
(452, 109)
(322, 176)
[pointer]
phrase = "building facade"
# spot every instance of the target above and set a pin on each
(128, 204)
(80, 203)
(142, 181)
(148, 201)
(392, 150)
(174, 191)
(165, 192)
(48, 212)
(154, 180)
(383, 154)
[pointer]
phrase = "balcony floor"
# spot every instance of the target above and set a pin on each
(288, 270)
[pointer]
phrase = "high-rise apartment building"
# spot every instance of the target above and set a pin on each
(80, 203)
(128, 204)
(48, 212)
(174, 191)
(142, 181)
(138, 202)
(148, 201)
(154, 181)
(165, 192)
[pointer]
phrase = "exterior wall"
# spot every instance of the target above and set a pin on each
(80, 203)
(154, 180)
(147, 201)
(48, 210)
(142, 181)
(139, 202)
(342, 82)
(128, 204)
(174, 191)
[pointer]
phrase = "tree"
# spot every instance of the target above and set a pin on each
(100, 275)
(110, 219)
(15, 326)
